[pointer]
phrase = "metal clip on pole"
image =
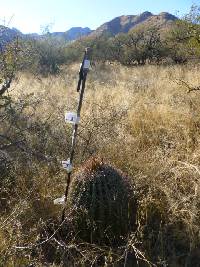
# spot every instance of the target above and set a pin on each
(84, 68)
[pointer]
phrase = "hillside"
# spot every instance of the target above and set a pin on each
(72, 34)
(121, 24)
(76, 32)
(124, 24)
(7, 35)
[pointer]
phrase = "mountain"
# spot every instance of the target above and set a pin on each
(121, 24)
(70, 35)
(7, 35)
(124, 24)
(77, 32)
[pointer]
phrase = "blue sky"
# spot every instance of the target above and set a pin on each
(30, 15)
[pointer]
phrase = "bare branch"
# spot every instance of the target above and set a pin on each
(187, 85)
(6, 86)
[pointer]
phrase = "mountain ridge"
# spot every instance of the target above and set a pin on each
(120, 24)
(125, 23)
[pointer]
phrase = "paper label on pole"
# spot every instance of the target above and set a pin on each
(71, 117)
(59, 201)
(86, 64)
(67, 165)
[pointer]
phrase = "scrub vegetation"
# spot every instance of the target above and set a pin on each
(134, 199)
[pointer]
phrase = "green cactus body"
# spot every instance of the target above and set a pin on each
(101, 203)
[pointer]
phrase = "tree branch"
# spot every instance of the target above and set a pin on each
(187, 85)
(5, 86)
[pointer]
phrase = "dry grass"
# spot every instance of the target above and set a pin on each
(141, 121)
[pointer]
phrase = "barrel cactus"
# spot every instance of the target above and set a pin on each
(101, 203)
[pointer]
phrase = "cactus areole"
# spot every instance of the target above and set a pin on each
(101, 203)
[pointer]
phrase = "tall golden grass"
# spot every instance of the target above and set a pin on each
(143, 121)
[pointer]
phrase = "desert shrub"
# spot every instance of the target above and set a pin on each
(183, 41)
(50, 56)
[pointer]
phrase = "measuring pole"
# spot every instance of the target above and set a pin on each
(74, 119)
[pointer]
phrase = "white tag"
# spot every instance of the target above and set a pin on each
(59, 201)
(67, 165)
(86, 64)
(71, 117)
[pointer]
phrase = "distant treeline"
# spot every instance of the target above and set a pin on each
(179, 43)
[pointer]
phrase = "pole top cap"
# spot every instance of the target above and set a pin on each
(87, 49)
